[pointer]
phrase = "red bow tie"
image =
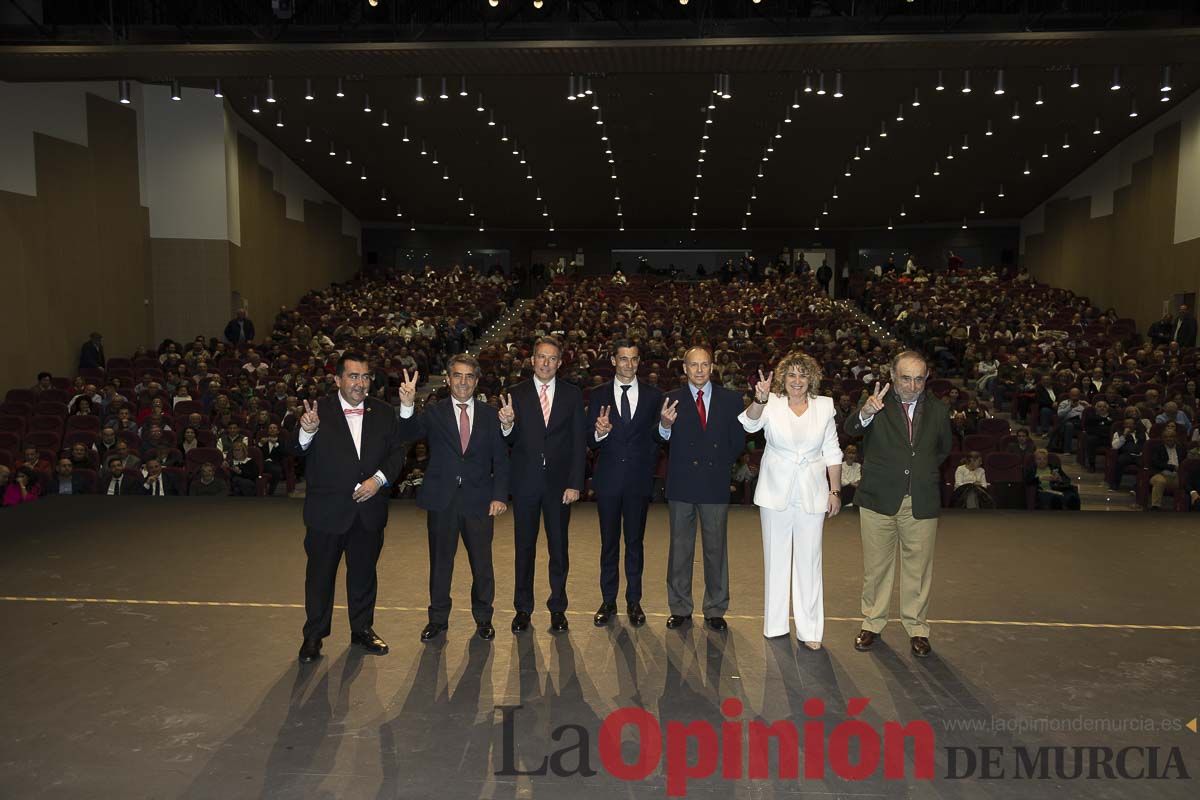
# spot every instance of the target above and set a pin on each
(353, 412)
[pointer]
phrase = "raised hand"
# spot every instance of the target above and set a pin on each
(874, 403)
(669, 412)
(603, 423)
(507, 415)
(310, 420)
(762, 389)
(408, 388)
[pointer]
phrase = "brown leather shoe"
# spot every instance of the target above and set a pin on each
(865, 639)
(920, 646)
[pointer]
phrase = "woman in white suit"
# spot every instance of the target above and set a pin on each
(801, 462)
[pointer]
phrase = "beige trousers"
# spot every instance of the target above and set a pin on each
(916, 537)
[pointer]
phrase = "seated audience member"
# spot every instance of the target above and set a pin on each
(107, 440)
(243, 472)
(1097, 431)
(851, 473)
(189, 440)
(168, 456)
(1172, 413)
(1054, 489)
(119, 480)
(65, 480)
(970, 484)
(44, 381)
(742, 476)
(23, 488)
(1070, 410)
(232, 435)
(1165, 459)
(31, 457)
(157, 483)
(1023, 444)
(81, 457)
(1129, 443)
(207, 483)
(273, 456)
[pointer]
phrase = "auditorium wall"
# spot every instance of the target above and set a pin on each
(1126, 231)
(147, 221)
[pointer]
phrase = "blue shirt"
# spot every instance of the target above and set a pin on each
(665, 433)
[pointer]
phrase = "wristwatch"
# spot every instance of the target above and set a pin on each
(836, 492)
(761, 402)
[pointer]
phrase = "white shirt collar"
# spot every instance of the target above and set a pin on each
(537, 383)
(345, 405)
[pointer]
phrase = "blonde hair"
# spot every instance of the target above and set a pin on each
(802, 362)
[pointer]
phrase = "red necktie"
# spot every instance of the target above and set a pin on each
(700, 409)
(908, 419)
(464, 427)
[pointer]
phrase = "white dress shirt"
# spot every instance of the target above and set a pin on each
(633, 401)
(407, 411)
(355, 423)
(537, 390)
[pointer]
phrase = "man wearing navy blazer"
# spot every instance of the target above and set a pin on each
(543, 420)
(623, 414)
(701, 423)
(465, 487)
(351, 449)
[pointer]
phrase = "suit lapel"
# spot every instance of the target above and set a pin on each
(339, 422)
(555, 405)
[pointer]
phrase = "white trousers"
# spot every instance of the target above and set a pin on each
(792, 567)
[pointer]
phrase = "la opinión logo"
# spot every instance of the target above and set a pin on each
(852, 749)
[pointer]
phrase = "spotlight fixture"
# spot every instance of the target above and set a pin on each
(1026, 171)
(423, 151)
(845, 172)
(816, 224)
(123, 92)
(917, 192)
(1133, 112)
(950, 153)
(1115, 86)
(753, 193)
(821, 83)
(936, 169)
(835, 192)
(348, 159)
(254, 109)
(571, 93)
(308, 135)
(696, 193)
(787, 114)
(462, 86)
(545, 211)
(1001, 192)
(340, 92)
(726, 94)
(903, 213)
(504, 133)
(964, 225)
(404, 138)
(308, 90)
(808, 84)
(279, 118)
(384, 122)
(1040, 101)
(176, 92)
(882, 130)
(778, 132)
(857, 156)
(916, 101)
(900, 113)
(364, 174)
(824, 211)
(479, 102)
(1165, 86)
(1046, 151)
(435, 158)
(1074, 78)
(966, 87)
(890, 226)
(332, 151)
(965, 146)
(400, 213)
(1016, 110)
(867, 144)
(383, 195)
(837, 84)
(696, 213)
(446, 174)
(1096, 127)
(537, 191)
(988, 132)
(981, 207)
(270, 98)
(795, 98)
(1066, 145)
(443, 94)
(420, 95)
(471, 210)
(999, 81)
(216, 89)
(940, 85)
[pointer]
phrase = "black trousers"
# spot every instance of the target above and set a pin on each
(325, 550)
(445, 528)
(528, 514)
(621, 515)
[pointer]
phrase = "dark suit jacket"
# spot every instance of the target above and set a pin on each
(79, 485)
(561, 446)
(1043, 398)
(231, 330)
(1187, 332)
(482, 470)
(1134, 442)
(1159, 457)
(91, 356)
(170, 487)
(332, 467)
(701, 460)
(892, 466)
(131, 483)
(628, 455)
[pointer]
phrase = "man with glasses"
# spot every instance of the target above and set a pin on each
(352, 450)
(905, 440)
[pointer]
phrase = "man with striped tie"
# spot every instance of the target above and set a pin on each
(543, 420)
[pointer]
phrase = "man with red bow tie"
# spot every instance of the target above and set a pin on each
(352, 450)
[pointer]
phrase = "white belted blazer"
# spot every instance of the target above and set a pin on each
(792, 471)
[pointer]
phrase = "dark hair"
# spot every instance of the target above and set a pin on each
(550, 340)
(463, 358)
(113, 458)
(349, 355)
(44, 375)
(619, 343)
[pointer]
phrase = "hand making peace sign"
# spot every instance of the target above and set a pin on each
(310, 420)
(762, 389)
(874, 403)
(668, 415)
(507, 415)
(603, 424)
(408, 388)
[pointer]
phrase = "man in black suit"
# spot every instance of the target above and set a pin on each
(543, 419)
(701, 423)
(91, 355)
(348, 461)
(158, 483)
(65, 480)
(623, 414)
(465, 487)
(240, 328)
(1184, 329)
(1047, 403)
(116, 481)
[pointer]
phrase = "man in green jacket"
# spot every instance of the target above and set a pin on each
(906, 437)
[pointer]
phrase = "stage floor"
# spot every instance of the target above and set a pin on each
(150, 651)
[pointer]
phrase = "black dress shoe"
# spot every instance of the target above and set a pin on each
(369, 641)
(520, 622)
(716, 623)
(865, 639)
(432, 630)
(485, 631)
(558, 621)
(637, 618)
(604, 614)
(310, 651)
(675, 620)
(920, 646)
